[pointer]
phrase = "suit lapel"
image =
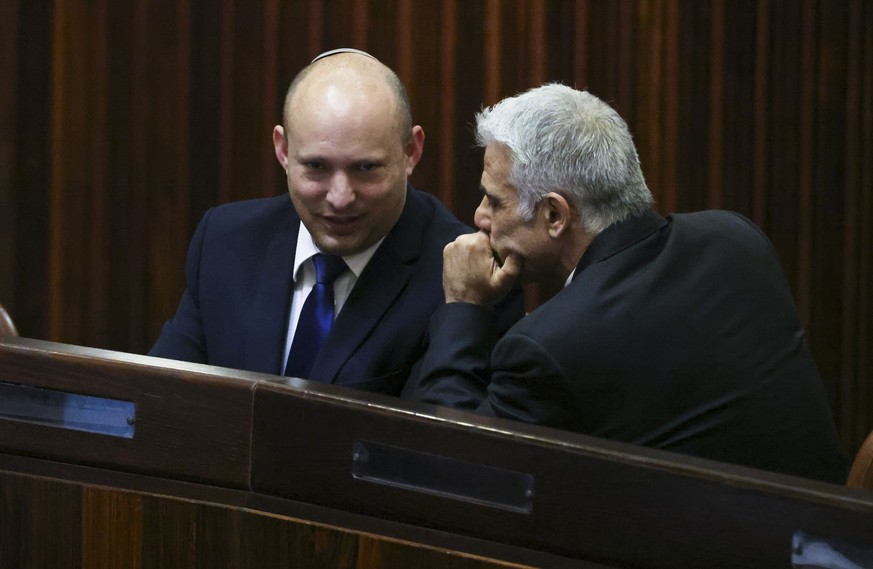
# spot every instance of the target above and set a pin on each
(268, 321)
(379, 285)
(382, 281)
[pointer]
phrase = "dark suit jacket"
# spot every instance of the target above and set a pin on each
(234, 312)
(677, 333)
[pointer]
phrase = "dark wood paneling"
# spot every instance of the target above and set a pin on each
(54, 523)
(35, 506)
(30, 183)
(180, 521)
(9, 34)
(129, 119)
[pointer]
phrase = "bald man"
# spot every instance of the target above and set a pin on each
(347, 145)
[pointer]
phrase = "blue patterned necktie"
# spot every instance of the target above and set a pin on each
(316, 317)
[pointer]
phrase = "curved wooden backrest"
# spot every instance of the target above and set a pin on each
(861, 475)
(7, 327)
(147, 440)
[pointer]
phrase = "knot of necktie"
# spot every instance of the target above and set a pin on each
(316, 317)
(328, 268)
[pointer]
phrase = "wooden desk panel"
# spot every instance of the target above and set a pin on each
(191, 422)
(596, 500)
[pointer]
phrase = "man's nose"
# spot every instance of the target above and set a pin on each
(341, 193)
(481, 218)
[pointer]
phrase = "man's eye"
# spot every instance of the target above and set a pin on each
(313, 165)
(367, 166)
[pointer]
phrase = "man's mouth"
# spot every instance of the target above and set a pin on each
(341, 220)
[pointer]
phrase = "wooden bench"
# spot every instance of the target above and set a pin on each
(223, 468)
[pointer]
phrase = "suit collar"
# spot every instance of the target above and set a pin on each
(620, 236)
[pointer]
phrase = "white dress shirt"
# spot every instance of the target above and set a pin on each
(304, 280)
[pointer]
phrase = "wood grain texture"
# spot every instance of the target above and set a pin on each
(9, 22)
(235, 469)
(127, 120)
(592, 499)
(52, 524)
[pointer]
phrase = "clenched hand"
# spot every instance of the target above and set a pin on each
(473, 274)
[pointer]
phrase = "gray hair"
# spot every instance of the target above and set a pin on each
(572, 143)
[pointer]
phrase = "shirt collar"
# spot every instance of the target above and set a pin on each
(306, 248)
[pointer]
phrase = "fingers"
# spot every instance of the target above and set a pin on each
(467, 254)
(472, 274)
(506, 275)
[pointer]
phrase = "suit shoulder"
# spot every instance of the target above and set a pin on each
(713, 220)
(721, 225)
(248, 219)
(247, 211)
(442, 224)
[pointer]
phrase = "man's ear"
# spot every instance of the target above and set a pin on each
(414, 148)
(280, 145)
(557, 213)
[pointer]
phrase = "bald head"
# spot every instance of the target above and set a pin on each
(350, 75)
(347, 146)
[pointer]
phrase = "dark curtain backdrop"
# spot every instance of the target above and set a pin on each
(123, 120)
